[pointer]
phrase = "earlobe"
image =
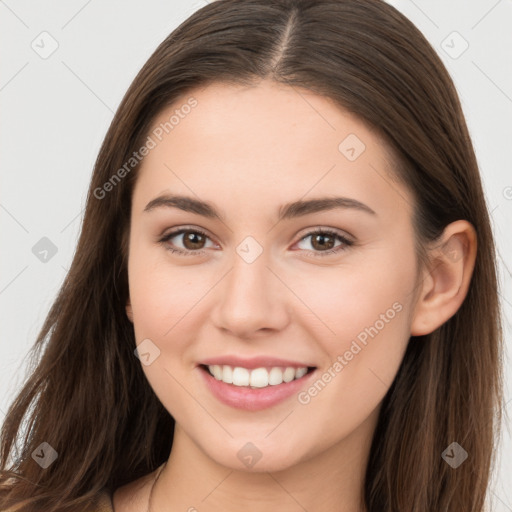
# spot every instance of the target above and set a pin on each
(446, 283)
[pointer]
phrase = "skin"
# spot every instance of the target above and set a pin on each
(247, 151)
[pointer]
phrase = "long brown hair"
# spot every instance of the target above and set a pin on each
(86, 394)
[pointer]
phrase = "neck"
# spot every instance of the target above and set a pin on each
(330, 480)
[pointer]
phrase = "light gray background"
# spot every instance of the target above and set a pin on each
(56, 110)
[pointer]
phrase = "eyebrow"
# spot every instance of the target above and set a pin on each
(287, 211)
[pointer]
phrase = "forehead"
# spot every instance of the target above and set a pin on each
(266, 143)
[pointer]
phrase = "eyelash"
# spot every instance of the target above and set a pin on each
(347, 243)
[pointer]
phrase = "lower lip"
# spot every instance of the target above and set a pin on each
(249, 399)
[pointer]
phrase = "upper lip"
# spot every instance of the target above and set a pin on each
(253, 362)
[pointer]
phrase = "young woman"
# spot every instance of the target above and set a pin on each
(284, 292)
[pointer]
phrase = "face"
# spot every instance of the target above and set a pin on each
(329, 288)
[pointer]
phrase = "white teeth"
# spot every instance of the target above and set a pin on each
(275, 376)
(240, 376)
(300, 372)
(289, 374)
(227, 374)
(217, 371)
(257, 378)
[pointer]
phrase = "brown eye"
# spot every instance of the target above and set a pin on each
(324, 242)
(193, 241)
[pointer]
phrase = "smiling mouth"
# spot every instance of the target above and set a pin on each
(256, 378)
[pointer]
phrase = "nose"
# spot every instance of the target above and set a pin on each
(251, 299)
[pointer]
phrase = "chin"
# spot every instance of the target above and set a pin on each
(253, 460)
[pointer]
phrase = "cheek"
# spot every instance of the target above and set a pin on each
(345, 303)
(362, 322)
(163, 299)
(161, 294)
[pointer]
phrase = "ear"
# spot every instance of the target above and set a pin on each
(446, 282)
(129, 311)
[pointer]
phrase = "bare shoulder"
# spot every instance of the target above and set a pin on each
(134, 496)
